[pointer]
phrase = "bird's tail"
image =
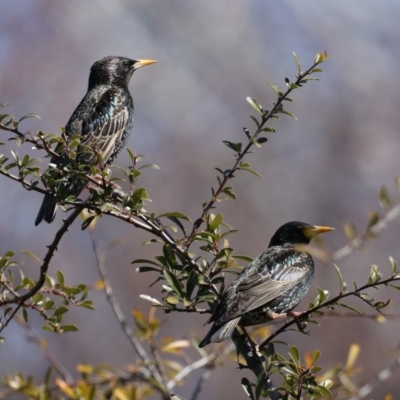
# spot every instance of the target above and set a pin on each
(47, 210)
(219, 333)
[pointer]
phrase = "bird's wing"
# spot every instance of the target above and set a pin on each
(270, 275)
(101, 119)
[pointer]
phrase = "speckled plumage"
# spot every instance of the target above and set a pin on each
(103, 119)
(273, 283)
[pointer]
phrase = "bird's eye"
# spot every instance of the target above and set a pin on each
(125, 64)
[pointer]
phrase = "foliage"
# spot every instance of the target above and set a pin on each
(189, 282)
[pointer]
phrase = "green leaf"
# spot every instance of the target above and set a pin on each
(393, 264)
(255, 121)
(294, 353)
(288, 113)
(341, 282)
(34, 256)
(229, 193)
(25, 315)
(350, 308)
(262, 140)
(247, 388)
(26, 116)
(131, 155)
(152, 166)
(147, 269)
(244, 258)
(69, 328)
(60, 311)
(144, 261)
(174, 282)
(215, 222)
(60, 278)
(298, 63)
(251, 171)
(255, 105)
(169, 256)
(350, 231)
(320, 58)
(276, 89)
(268, 129)
(150, 299)
(315, 356)
(175, 214)
(87, 222)
(260, 384)
(177, 222)
(324, 392)
(172, 300)
(233, 146)
(191, 283)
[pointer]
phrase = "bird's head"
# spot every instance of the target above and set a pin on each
(297, 233)
(115, 70)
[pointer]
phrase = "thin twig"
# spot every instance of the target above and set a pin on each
(240, 155)
(49, 355)
(199, 385)
(46, 261)
(123, 322)
(307, 314)
(385, 374)
(187, 310)
(201, 363)
(358, 242)
(158, 364)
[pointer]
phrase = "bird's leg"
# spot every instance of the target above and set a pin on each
(295, 315)
(252, 343)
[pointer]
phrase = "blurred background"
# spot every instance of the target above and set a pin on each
(326, 168)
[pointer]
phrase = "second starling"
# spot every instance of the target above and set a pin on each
(103, 120)
(270, 286)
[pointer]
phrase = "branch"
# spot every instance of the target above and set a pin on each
(255, 363)
(205, 375)
(49, 355)
(307, 314)
(240, 155)
(358, 242)
(46, 261)
(377, 381)
(206, 361)
(161, 384)
(26, 185)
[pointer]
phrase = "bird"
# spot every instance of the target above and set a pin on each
(102, 121)
(271, 286)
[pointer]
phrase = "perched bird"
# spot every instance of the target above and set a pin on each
(103, 120)
(270, 286)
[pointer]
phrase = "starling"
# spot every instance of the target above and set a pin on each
(270, 286)
(103, 120)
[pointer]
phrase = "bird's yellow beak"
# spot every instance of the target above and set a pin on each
(143, 63)
(316, 230)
